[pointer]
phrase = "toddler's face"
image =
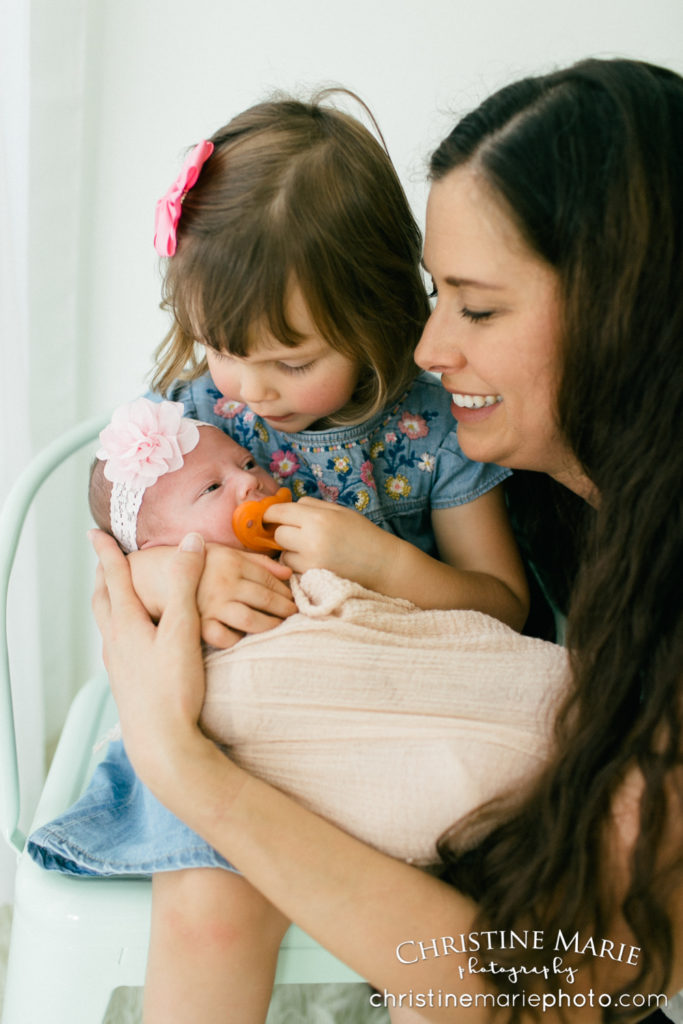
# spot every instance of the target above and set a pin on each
(290, 388)
(216, 477)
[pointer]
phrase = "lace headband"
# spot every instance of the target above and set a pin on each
(144, 440)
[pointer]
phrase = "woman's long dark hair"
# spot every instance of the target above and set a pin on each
(588, 162)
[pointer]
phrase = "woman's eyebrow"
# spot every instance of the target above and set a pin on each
(469, 282)
(464, 282)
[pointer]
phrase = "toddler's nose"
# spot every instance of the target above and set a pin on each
(254, 386)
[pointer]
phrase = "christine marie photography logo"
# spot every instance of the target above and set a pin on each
(477, 956)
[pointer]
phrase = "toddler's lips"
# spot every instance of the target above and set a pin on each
(275, 419)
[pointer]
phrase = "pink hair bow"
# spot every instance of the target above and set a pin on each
(169, 207)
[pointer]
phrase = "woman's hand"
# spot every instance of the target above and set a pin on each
(317, 534)
(239, 592)
(156, 672)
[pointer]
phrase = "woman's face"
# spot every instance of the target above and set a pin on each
(493, 335)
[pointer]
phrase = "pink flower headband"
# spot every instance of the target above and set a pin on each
(169, 207)
(144, 440)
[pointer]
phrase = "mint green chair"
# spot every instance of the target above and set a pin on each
(75, 940)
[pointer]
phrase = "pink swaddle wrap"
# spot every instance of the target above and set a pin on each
(391, 721)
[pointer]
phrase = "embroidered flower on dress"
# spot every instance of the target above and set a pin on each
(228, 408)
(284, 464)
(261, 431)
(397, 486)
(317, 470)
(366, 474)
(413, 425)
(328, 493)
(341, 464)
(362, 501)
(298, 488)
(144, 440)
(391, 437)
(426, 463)
(377, 449)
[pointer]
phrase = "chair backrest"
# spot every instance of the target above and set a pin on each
(12, 519)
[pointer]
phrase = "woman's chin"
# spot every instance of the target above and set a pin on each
(480, 444)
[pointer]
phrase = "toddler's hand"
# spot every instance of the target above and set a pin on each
(239, 593)
(317, 534)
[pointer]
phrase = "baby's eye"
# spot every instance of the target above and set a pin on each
(249, 464)
(210, 488)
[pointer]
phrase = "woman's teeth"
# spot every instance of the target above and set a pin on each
(476, 401)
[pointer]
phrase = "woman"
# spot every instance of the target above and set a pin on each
(554, 239)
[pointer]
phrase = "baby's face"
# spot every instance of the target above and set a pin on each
(216, 477)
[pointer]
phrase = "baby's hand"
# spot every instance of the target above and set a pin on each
(317, 534)
(240, 593)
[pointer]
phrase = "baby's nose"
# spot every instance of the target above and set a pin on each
(248, 488)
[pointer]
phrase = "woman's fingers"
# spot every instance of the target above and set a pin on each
(181, 617)
(114, 594)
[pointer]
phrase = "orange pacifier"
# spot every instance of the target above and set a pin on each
(248, 525)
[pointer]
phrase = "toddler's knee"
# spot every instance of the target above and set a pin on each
(208, 910)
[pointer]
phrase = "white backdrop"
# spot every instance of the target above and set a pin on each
(98, 101)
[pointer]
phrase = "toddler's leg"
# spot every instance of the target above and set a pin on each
(213, 949)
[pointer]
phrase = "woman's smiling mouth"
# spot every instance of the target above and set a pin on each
(475, 401)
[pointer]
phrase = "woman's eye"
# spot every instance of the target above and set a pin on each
(476, 316)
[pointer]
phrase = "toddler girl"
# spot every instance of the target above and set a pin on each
(294, 278)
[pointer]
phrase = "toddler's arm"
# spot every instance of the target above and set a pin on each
(480, 568)
(238, 593)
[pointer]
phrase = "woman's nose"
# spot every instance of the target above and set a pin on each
(437, 349)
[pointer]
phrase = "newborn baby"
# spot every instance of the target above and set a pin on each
(159, 476)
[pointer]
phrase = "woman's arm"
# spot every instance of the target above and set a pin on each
(371, 911)
(479, 566)
(238, 592)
